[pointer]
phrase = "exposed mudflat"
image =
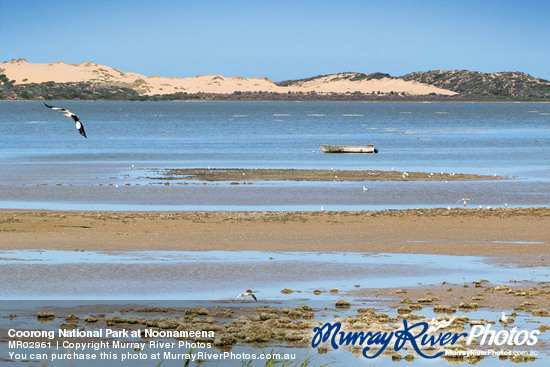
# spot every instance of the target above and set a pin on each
(240, 174)
(511, 235)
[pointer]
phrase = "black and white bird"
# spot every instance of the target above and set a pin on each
(68, 114)
(247, 294)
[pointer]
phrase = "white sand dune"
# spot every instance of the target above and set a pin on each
(24, 72)
(340, 83)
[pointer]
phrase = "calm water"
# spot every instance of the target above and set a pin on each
(39, 146)
(218, 275)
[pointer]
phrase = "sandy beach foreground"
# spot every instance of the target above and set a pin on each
(515, 235)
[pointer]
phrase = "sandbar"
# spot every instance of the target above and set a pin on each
(511, 235)
(241, 174)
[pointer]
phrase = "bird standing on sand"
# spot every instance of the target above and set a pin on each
(68, 114)
(247, 294)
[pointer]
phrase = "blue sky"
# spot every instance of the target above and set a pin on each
(281, 39)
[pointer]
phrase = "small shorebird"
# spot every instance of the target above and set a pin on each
(248, 293)
(365, 189)
(68, 114)
(506, 319)
(405, 175)
(463, 201)
(322, 208)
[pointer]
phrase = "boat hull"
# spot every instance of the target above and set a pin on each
(348, 149)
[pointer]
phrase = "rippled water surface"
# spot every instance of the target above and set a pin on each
(45, 163)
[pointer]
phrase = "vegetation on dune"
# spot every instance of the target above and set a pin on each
(471, 86)
(4, 81)
(477, 84)
(287, 83)
(353, 77)
(76, 91)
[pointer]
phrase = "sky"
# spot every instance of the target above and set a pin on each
(281, 39)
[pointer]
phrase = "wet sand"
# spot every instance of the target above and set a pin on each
(516, 295)
(513, 235)
(239, 175)
(519, 236)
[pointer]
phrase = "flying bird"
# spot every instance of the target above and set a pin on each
(464, 201)
(247, 294)
(68, 114)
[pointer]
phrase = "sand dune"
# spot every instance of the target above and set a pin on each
(339, 83)
(24, 72)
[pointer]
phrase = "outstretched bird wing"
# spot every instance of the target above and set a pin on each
(62, 110)
(253, 296)
(79, 126)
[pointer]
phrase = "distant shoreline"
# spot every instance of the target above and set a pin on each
(204, 97)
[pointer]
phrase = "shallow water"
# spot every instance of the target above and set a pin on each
(26, 320)
(282, 196)
(483, 138)
(218, 275)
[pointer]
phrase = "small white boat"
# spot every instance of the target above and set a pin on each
(348, 148)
